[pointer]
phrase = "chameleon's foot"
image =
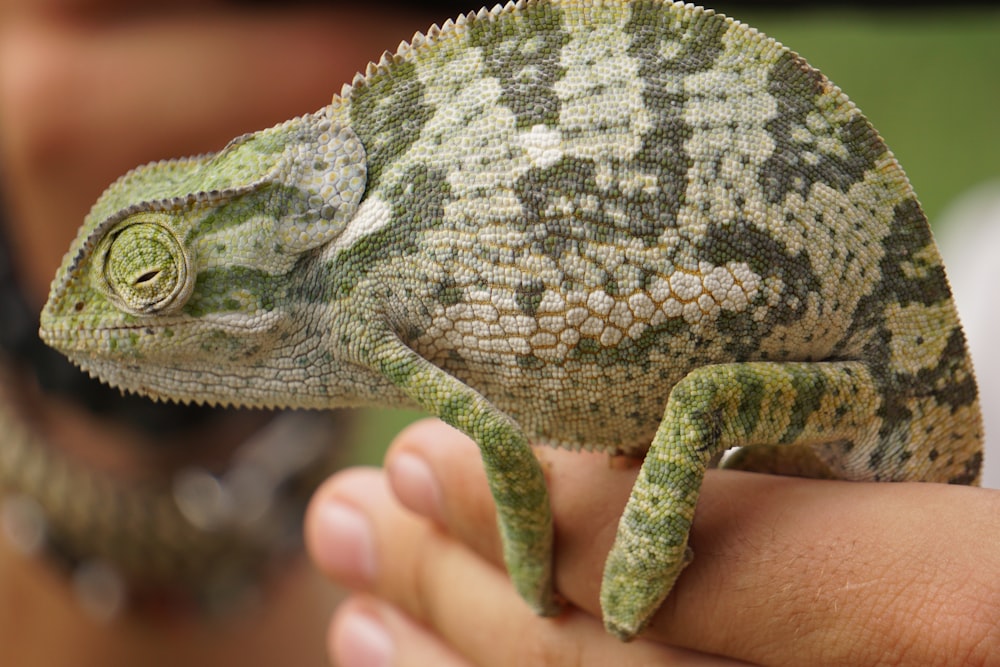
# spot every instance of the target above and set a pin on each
(626, 634)
(630, 595)
(550, 607)
(539, 595)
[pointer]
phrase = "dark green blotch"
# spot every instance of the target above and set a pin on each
(555, 234)
(280, 202)
(523, 52)
(630, 353)
(810, 388)
(529, 362)
(695, 39)
(448, 293)
(741, 241)
(971, 472)
(388, 114)
(528, 296)
(418, 200)
(611, 287)
(796, 86)
(753, 391)
(946, 389)
(699, 34)
(699, 37)
(215, 287)
(909, 235)
(539, 187)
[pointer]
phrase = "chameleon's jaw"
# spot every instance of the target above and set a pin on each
(165, 378)
(111, 356)
(216, 359)
(172, 357)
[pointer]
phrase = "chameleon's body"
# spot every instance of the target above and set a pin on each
(590, 224)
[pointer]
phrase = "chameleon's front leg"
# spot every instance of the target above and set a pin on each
(514, 474)
(710, 410)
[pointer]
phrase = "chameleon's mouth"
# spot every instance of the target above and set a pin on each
(59, 333)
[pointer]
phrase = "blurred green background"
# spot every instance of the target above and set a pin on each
(927, 78)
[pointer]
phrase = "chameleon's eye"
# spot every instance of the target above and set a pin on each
(146, 268)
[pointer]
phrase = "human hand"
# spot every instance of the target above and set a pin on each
(786, 572)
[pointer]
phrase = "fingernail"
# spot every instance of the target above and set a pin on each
(416, 486)
(363, 641)
(346, 549)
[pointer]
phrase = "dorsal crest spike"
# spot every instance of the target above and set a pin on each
(406, 49)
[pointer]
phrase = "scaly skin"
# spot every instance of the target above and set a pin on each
(637, 227)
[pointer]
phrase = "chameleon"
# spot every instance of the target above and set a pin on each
(630, 226)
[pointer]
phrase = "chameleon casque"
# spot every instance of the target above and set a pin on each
(637, 227)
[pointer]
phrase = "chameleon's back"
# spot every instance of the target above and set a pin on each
(580, 204)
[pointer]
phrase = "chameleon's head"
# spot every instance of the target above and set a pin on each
(182, 272)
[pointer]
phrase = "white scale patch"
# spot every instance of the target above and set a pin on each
(601, 89)
(372, 215)
(542, 144)
(561, 320)
(728, 140)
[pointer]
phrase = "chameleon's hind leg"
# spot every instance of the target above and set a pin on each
(712, 409)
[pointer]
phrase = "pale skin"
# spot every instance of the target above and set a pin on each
(789, 571)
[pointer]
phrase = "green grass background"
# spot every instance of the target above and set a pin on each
(928, 79)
